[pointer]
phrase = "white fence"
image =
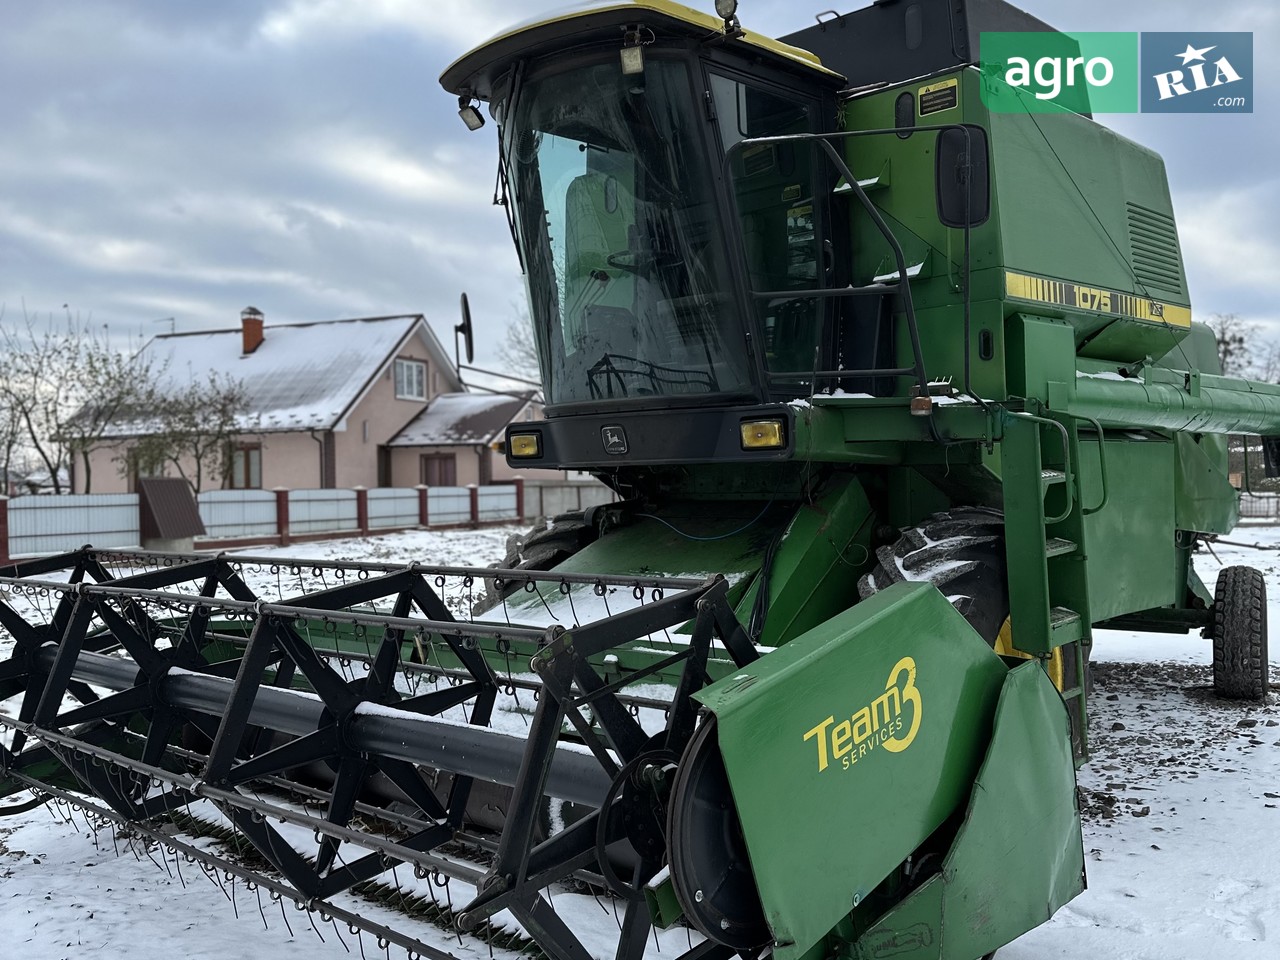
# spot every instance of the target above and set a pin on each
(322, 511)
(497, 503)
(392, 507)
(39, 525)
(549, 499)
(448, 505)
(42, 525)
(238, 513)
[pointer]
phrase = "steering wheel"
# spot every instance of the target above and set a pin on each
(642, 261)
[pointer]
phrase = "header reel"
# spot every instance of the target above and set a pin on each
(359, 738)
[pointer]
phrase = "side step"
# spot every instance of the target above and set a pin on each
(1049, 477)
(1057, 547)
(1065, 626)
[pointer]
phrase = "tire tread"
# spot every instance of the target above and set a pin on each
(1239, 632)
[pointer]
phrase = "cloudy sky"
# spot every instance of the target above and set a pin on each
(180, 159)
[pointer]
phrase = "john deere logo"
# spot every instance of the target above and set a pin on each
(615, 440)
(878, 724)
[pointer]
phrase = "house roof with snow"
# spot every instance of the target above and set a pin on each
(300, 376)
(452, 419)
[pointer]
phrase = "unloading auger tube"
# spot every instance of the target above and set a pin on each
(349, 730)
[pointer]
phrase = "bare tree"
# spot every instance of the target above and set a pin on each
(517, 350)
(111, 385)
(1243, 350)
(36, 389)
(1266, 362)
(1233, 335)
(63, 386)
(193, 429)
(10, 439)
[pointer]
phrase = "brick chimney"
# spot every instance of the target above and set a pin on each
(251, 329)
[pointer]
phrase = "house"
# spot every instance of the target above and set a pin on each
(36, 481)
(457, 439)
(325, 399)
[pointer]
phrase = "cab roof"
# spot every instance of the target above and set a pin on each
(476, 72)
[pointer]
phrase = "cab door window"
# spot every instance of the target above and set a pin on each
(780, 223)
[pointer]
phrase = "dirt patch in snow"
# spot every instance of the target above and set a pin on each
(1151, 724)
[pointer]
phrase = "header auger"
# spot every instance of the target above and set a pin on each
(901, 398)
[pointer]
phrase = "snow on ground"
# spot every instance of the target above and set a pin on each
(1182, 820)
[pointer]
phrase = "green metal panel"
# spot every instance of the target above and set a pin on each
(1041, 351)
(1204, 499)
(1133, 564)
(1062, 176)
(1018, 856)
(824, 545)
(823, 551)
(1024, 491)
(862, 736)
(696, 539)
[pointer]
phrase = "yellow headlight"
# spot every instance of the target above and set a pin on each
(525, 445)
(763, 435)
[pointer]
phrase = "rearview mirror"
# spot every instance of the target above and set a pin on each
(962, 181)
(463, 329)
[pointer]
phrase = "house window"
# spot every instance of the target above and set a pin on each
(411, 380)
(439, 470)
(246, 467)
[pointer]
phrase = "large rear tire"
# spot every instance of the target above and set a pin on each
(959, 551)
(1240, 666)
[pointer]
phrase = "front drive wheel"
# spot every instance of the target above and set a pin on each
(1240, 669)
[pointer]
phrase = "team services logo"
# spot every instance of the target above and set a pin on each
(881, 723)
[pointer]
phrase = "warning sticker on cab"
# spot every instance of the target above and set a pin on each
(936, 97)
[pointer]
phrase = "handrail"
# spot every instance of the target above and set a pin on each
(1102, 466)
(1068, 473)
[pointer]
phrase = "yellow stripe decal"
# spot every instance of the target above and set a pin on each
(1077, 296)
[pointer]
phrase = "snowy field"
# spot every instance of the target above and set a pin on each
(1182, 823)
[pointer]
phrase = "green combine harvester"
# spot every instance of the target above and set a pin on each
(901, 399)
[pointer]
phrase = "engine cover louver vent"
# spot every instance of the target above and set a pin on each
(1153, 244)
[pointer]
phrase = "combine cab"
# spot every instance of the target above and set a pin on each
(900, 398)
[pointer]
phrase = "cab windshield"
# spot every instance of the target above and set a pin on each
(622, 243)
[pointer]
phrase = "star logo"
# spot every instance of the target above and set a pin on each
(1191, 53)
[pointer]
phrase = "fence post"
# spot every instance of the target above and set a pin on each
(475, 502)
(424, 507)
(362, 510)
(4, 529)
(519, 482)
(282, 515)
